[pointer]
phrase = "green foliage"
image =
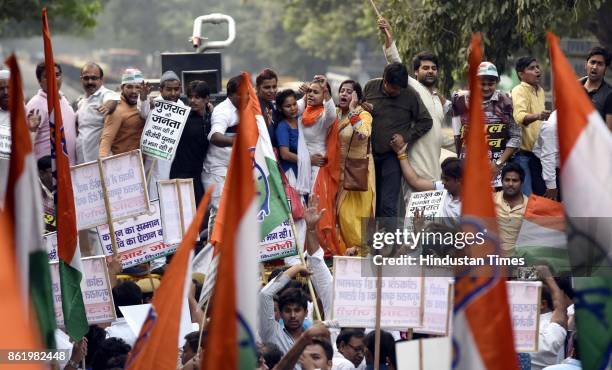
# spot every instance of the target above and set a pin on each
(508, 27)
(22, 17)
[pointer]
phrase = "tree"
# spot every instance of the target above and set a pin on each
(20, 18)
(508, 27)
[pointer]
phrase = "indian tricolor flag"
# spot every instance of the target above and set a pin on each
(585, 148)
(24, 212)
(157, 343)
(482, 331)
(273, 213)
(542, 238)
(70, 269)
(18, 331)
(231, 333)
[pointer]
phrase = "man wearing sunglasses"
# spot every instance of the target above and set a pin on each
(97, 102)
(38, 105)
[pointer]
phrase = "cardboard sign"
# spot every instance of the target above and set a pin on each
(424, 354)
(96, 290)
(437, 306)
(139, 239)
(5, 141)
(524, 301)
(354, 297)
(163, 129)
(125, 182)
(177, 208)
(50, 241)
(279, 243)
(430, 202)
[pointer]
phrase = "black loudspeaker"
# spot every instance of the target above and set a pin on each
(195, 66)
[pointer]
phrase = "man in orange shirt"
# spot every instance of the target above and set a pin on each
(123, 128)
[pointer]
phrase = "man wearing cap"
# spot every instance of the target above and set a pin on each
(123, 128)
(503, 134)
(38, 103)
(92, 107)
(170, 90)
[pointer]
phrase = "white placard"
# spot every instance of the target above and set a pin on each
(437, 305)
(279, 243)
(139, 239)
(96, 290)
(170, 210)
(354, 297)
(50, 241)
(125, 183)
(524, 301)
(163, 129)
(430, 202)
(5, 141)
(424, 354)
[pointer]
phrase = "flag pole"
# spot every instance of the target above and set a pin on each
(377, 322)
(109, 216)
(375, 8)
(311, 290)
(180, 204)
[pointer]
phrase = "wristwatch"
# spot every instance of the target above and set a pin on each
(499, 162)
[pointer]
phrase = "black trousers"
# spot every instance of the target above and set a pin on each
(388, 186)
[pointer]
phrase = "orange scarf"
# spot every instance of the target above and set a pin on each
(311, 115)
(326, 187)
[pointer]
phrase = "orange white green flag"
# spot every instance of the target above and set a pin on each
(482, 330)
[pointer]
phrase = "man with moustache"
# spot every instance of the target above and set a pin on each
(97, 102)
(123, 128)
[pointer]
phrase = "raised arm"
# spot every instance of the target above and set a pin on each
(321, 277)
(267, 324)
(416, 182)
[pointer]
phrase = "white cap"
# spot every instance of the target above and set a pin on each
(487, 69)
(4, 74)
(131, 76)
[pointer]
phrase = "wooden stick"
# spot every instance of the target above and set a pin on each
(375, 8)
(109, 216)
(180, 204)
(150, 172)
(311, 290)
(202, 324)
(378, 310)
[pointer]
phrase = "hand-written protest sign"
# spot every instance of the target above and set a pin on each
(163, 129)
(430, 202)
(96, 290)
(5, 141)
(437, 306)
(424, 354)
(354, 297)
(177, 207)
(126, 190)
(279, 243)
(139, 239)
(524, 301)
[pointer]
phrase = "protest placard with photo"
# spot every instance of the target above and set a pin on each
(96, 289)
(354, 297)
(125, 185)
(177, 205)
(524, 301)
(437, 305)
(5, 141)
(163, 129)
(139, 239)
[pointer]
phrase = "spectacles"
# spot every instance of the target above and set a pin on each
(90, 78)
(356, 349)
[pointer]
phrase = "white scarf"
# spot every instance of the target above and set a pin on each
(303, 184)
